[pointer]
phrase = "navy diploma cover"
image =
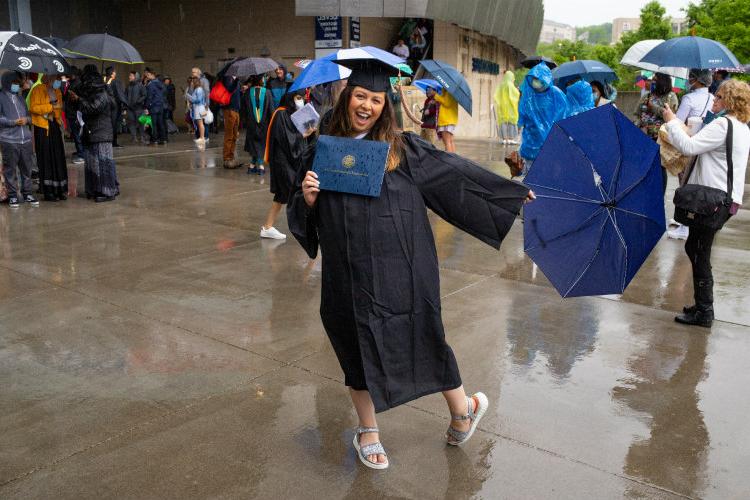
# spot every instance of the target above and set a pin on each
(349, 165)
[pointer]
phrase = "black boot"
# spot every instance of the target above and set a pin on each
(702, 313)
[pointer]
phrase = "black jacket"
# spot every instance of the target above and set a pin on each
(97, 105)
(135, 97)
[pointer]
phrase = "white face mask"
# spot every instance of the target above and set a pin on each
(537, 84)
(299, 103)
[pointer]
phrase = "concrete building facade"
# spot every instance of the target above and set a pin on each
(622, 25)
(553, 31)
(481, 38)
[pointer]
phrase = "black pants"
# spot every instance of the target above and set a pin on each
(158, 127)
(698, 248)
(116, 118)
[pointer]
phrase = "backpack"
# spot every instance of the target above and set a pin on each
(220, 95)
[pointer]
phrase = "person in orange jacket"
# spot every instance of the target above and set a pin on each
(45, 106)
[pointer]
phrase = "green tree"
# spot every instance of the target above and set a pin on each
(726, 21)
(597, 34)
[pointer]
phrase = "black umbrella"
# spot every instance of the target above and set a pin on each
(27, 53)
(251, 66)
(59, 43)
(104, 47)
(532, 61)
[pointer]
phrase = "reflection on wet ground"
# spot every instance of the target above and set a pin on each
(155, 347)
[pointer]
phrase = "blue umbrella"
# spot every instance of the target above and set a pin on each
(370, 52)
(586, 69)
(426, 83)
(691, 52)
(320, 71)
(451, 80)
(600, 209)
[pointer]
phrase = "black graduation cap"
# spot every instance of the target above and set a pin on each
(371, 74)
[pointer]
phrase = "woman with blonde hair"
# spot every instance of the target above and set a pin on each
(196, 96)
(506, 108)
(380, 297)
(723, 142)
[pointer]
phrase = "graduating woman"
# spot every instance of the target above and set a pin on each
(261, 108)
(284, 147)
(380, 302)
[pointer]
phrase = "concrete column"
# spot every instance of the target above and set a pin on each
(20, 15)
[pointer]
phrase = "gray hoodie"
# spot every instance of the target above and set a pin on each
(12, 107)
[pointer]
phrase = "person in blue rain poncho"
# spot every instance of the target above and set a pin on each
(580, 98)
(542, 104)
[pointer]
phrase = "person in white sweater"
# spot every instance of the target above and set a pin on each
(732, 102)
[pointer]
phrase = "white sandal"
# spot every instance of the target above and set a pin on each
(454, 436)
(369, 449)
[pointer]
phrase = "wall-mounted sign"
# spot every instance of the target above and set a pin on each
(354, 37)
(328, 32)
(484, 66)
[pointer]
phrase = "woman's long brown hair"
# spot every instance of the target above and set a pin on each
(385, 128)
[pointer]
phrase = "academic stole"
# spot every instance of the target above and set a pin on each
(257, 110)
(268, 134)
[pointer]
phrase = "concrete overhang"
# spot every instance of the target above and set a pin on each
(516, 22)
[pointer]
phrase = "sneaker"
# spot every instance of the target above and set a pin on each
(77, 160)
(272, 233)
(13, 202)
(31, 200)
(679, 233)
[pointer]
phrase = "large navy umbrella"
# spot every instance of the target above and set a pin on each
(691, 52)
(28, 53)
(451, 80)
(104, 47)
(600, 209)
(585, 69)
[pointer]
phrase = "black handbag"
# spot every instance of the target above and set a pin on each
(696, 205)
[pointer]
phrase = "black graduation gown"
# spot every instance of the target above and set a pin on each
(255, 137)
(285, 145)
(380, 297)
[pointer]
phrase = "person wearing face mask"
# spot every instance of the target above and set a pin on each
(598, 91)
(284, 145)
(649, 112)
(15, 141)
(45, 105)
(380, 295)
(711, 146)
(260, 108)
(699, 101)
(541, 105)
(580, 98)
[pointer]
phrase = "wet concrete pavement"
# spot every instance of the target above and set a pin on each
(155, 347)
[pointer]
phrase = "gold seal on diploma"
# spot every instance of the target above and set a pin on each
(348, 161)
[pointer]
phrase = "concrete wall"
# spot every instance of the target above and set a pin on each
(457, 46)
